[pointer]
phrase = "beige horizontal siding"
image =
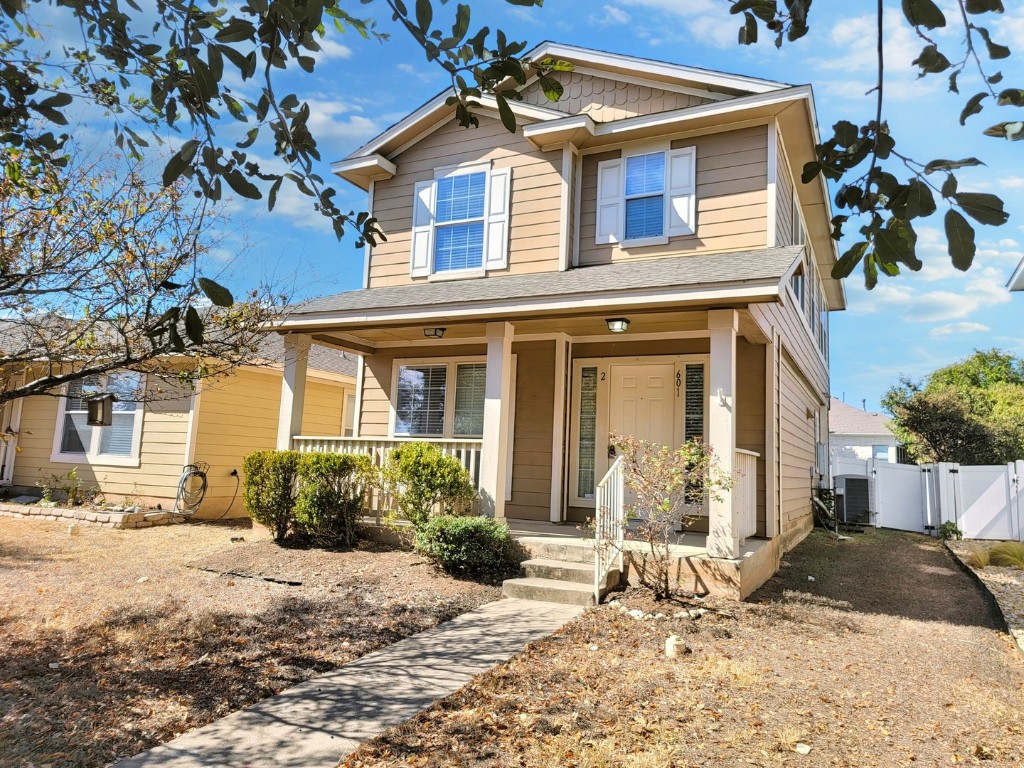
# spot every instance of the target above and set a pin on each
(732, 210)
(161, 452)
(238, 414)
(784, 208)
(536, 197)
(606, 99)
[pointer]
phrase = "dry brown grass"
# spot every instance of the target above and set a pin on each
(979, 558)
(1008, 554)
(891, 657)
(111, 643)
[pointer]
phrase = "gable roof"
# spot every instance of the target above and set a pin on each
(844, 419)
(759, 270)
(271, 349)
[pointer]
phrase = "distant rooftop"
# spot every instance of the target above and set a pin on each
(845, 419)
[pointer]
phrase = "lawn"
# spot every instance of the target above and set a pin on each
(114, 641)
(879, 651)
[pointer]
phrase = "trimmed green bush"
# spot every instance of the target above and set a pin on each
(421, 478)
(330, 496)
(467, 546)
(270, 489)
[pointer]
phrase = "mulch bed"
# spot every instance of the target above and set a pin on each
(879, 651)
(114, 641)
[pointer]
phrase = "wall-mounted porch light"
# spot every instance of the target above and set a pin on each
(100, 410)
(617, 324)
(434, 333)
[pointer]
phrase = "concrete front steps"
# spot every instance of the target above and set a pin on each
(557, 581)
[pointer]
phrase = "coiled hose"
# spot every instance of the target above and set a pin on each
(191, 489)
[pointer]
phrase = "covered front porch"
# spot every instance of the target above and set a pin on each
(529, 407)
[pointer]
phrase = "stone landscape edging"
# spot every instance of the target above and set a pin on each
(75, 515)
(1014, 628)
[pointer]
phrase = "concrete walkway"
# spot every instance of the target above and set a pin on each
(320, 721)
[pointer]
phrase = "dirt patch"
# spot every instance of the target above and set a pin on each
(890, 656)
(114, 641)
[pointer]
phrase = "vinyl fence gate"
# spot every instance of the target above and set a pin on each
(984, 502)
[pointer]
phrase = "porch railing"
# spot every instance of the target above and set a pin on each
(609, 524)
(744, 492)
(378, 502)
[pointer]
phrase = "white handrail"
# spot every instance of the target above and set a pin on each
(609, 524)
(744, 494)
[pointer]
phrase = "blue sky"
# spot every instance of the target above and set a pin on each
(908, 325)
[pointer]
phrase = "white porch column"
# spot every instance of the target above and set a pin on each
(497, 393)
(723, 522)
(293, 389)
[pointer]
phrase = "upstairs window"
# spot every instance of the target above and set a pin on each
(117, 444)
(646, 197)
(460, 222)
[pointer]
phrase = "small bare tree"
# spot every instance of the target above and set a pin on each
(100, 271)
(670, 487)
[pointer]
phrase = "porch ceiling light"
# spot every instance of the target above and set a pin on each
(434, 333)
(618, 324)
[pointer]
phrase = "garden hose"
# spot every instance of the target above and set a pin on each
(191, 489)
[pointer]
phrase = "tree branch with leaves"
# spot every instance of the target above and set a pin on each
(864, 160)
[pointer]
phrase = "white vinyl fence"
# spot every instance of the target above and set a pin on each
(984, 502)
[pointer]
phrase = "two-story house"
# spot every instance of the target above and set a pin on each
(639, 257)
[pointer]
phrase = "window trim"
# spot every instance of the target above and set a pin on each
(496, 221)
(448, 429)
(90, 456)
(603, 365)
(687, 193)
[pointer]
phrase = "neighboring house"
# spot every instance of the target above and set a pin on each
(141, 455)
(639, 257)
(1017, 278)
(857, 434)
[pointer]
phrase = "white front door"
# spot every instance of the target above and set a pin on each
(642, 402)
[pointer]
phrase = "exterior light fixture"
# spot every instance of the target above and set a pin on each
(617, 324)
(100, 410)
(434, 333)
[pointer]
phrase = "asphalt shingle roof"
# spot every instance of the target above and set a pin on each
(684, 271)
(844, 419)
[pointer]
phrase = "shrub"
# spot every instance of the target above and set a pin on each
(270, 489)
(468, 546)
(421, 478)
(330, 496)
(948, 530)
(1009, 554)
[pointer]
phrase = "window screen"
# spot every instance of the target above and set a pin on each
(77, 435)
(585, 481)
(420, 406)
(693, 426)
(645, 201)
(459, 237)
(470, 381)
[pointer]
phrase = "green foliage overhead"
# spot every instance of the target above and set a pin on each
(971, 412)
(863, 158)
(174, 66)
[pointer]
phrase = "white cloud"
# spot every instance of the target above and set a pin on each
(612, 16)
(330, 50)
(958, 329)
(1006, 242)
(707, 21)
(424, 75)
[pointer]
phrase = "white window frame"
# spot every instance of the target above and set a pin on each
(809, 297)
(452, 363)
(92, 457)
(495, 219)
(603, 365)
(680, 199)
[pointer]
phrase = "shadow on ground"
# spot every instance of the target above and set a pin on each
(882, 572)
